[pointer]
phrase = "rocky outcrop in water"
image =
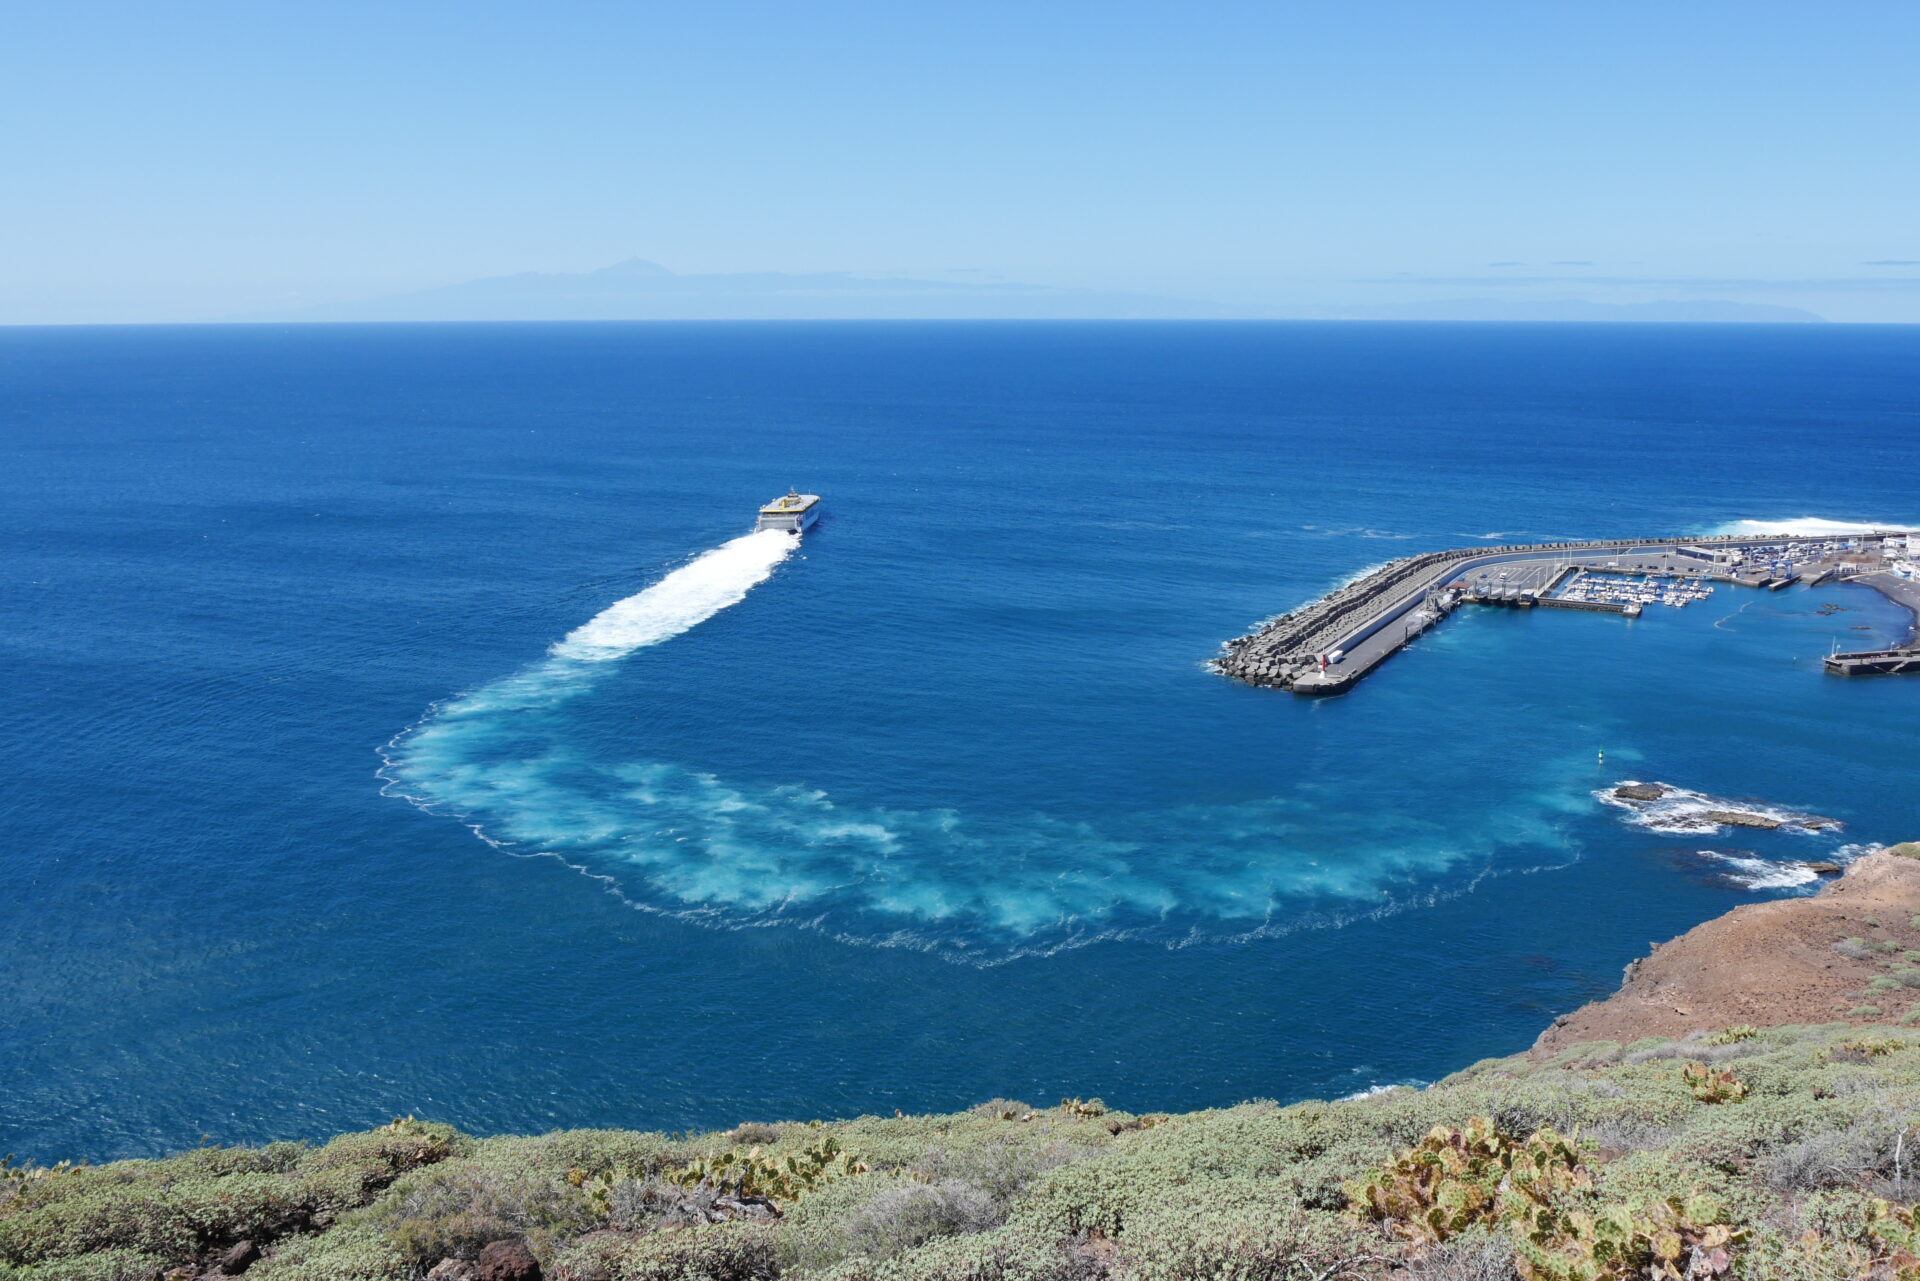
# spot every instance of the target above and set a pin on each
(1737, 818)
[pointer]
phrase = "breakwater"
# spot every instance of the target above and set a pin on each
(1327, 645)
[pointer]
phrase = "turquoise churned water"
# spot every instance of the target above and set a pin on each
(399, 720)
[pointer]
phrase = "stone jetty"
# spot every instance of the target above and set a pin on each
(1327, 645)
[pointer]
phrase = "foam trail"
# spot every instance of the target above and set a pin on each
(507, 758)
(682, 600)
(1805, 527)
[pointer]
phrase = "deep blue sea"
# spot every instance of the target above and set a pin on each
(397, 721)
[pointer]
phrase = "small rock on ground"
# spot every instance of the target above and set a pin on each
(507, 1261)
(239, 1257)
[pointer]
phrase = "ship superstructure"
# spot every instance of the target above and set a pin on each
(794, 513)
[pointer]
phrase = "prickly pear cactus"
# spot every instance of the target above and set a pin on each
(1454, 1178)
(1709, 1086)
(1679, 1239)
(779, 1179)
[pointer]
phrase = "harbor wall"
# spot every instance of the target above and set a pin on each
(1354, 619)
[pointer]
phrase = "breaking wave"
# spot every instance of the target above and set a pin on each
(508, 760)
(1744, 871)
(1805, 527)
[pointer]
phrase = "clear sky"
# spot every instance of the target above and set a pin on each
(187, 160)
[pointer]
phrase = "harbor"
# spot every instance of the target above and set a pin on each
(1326, 646)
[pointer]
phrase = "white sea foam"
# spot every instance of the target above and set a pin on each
(1805, 527)
(687, 843)
(1682, 812)
(1359, 574)
(1375, 1091)
(683, 599)
(1759, 873)
(505, 759)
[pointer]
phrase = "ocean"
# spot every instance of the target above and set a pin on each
(401, 719)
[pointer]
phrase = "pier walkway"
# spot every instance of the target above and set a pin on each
(1326, 646)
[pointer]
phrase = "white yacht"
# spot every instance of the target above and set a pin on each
(795, 513)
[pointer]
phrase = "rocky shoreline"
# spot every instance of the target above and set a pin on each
(1842, 955)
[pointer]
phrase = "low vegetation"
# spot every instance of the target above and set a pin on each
(1783, 1154)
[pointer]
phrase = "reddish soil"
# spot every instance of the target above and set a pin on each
(1768, 964)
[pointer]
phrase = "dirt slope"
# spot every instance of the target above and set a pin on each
(1770, 963)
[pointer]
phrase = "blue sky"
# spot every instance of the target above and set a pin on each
(194, 160)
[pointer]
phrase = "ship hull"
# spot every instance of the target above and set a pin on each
(796, 523)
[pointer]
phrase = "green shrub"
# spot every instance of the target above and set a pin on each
(1238, 1230)
(1733, 1138)
(453, 1211)
(107, 1265)
(1096, 1196)
(1864, 1012)
(1881, 983)
(713, 1252)
(580, 1154)
(1004, 1166)
(880, 1217)
(1805, 1257)
(1012, 1253)
(351, 1252)
(180, 1209)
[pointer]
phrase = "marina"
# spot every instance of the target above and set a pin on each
(1328, 645)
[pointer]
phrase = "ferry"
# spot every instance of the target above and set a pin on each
(794, 513)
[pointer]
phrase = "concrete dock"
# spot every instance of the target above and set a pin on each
(1882, 662)
(1326, 646)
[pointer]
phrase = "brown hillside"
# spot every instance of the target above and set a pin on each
(1769, 964)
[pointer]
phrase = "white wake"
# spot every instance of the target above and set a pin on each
(682, 600)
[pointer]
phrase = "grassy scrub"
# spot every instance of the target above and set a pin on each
(1786, 1154)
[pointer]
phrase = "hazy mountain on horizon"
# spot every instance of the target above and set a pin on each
(638, 289)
